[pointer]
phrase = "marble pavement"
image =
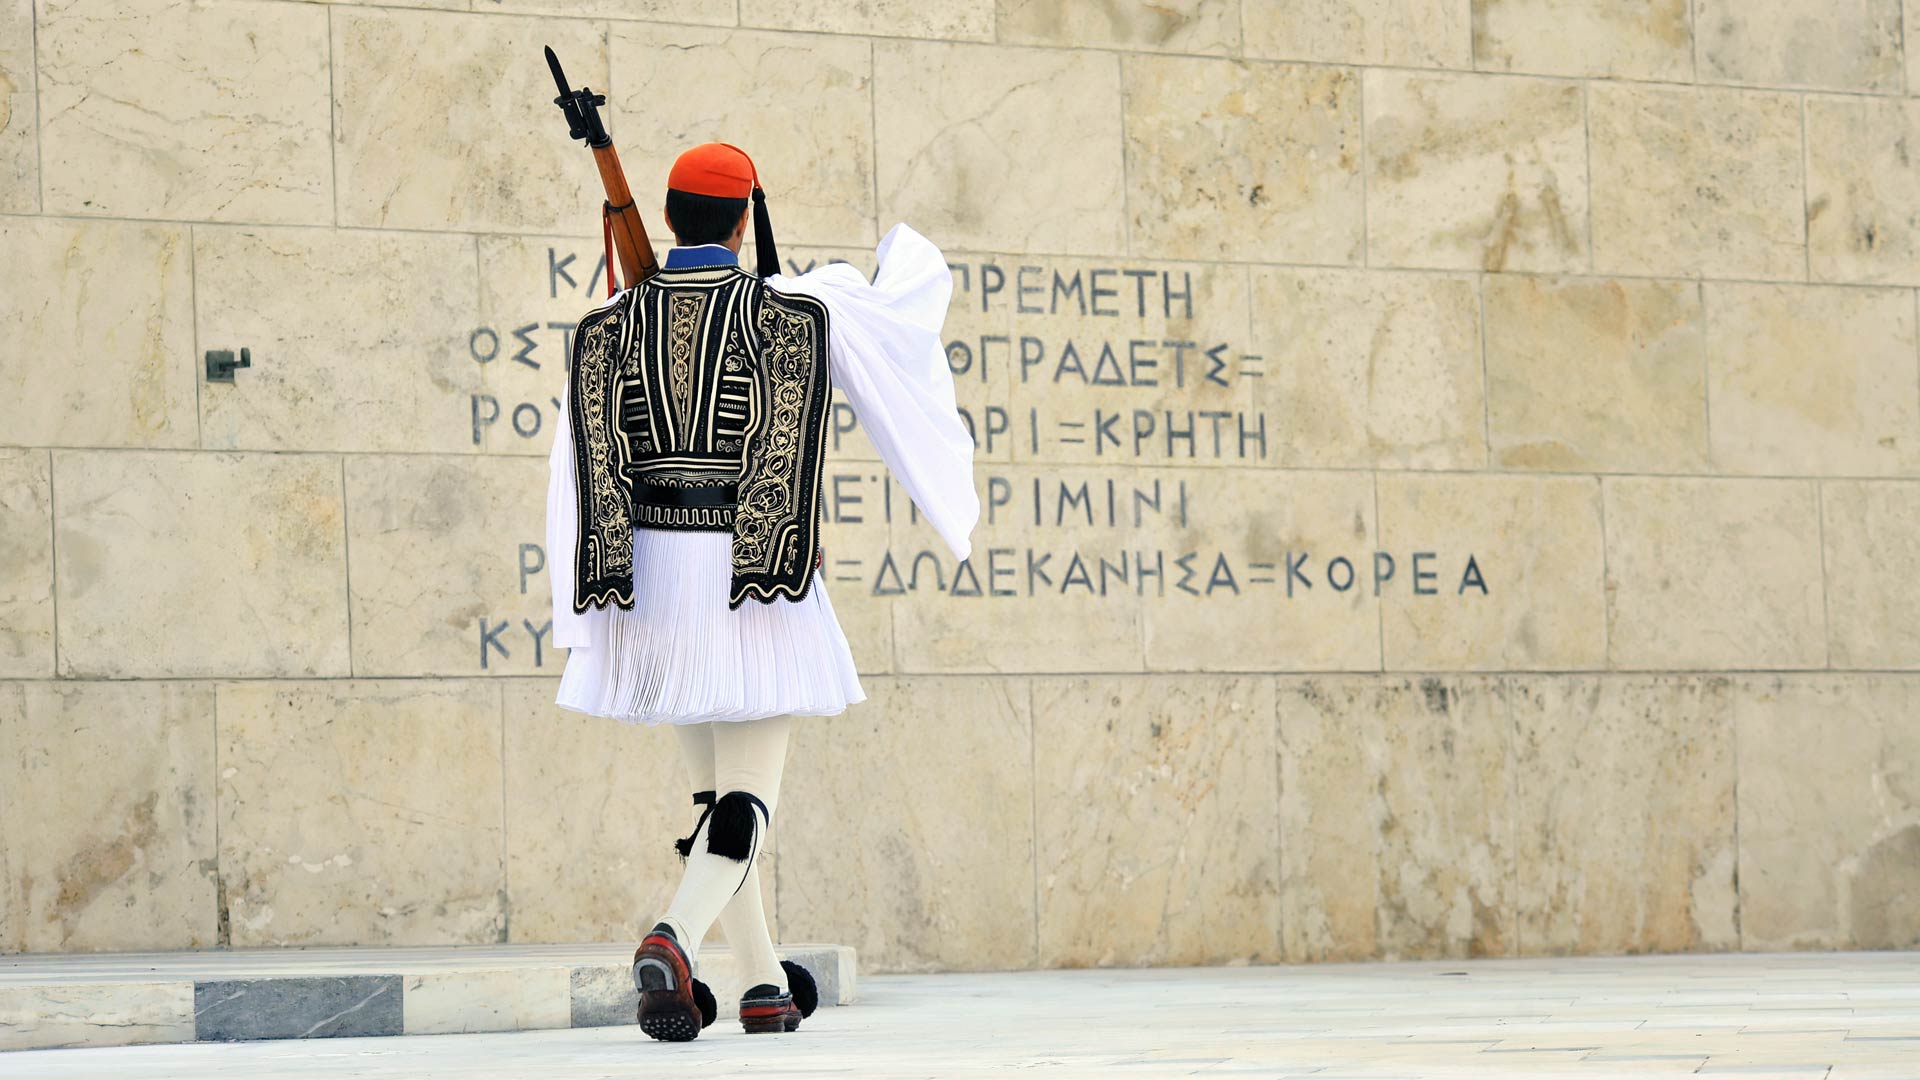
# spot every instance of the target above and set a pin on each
(129, 998)
(1808, 1016)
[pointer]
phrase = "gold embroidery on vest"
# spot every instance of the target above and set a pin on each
(683, 322)
(772, 530)
(606, 548)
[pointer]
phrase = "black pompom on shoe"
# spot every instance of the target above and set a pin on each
(703, 999)
(806, 995)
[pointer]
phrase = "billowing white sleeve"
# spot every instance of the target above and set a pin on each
(888, 358)
(570, 629)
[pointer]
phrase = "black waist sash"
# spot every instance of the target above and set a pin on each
(709, 508)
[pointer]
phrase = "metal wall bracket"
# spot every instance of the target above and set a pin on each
(221, 364)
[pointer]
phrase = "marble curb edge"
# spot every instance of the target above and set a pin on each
(291, 1004)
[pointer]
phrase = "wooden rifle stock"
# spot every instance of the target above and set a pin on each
(625, 233)
(623, 225)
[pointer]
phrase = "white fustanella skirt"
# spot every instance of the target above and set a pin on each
(681, 656)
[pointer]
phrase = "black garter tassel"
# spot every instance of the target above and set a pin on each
(735, 823)
(684, 845)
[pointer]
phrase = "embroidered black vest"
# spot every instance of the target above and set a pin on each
(699, 401)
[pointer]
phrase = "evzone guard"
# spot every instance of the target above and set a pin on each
(683, 515)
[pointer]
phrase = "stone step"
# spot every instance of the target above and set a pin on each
(116, 999)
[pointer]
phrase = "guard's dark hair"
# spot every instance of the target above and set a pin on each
(702, 219)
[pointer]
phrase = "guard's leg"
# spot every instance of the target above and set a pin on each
(675, 1006)
(748, 757)
(744, 919)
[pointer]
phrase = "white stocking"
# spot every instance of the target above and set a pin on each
(722, 757)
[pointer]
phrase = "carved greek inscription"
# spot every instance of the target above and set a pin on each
(1118, 443)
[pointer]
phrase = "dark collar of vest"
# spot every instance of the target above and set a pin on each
(687, 258)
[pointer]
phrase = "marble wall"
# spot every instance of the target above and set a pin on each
(1451, 474)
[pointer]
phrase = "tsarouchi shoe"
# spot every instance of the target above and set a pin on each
(661, 972)
(768, 1010)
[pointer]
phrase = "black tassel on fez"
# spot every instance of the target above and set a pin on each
(766, 257)
(735, 821)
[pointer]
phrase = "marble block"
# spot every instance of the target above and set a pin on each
(361, 340)
(1258, 571)
(1910, 16)
(1052, 583)
(19, 115)
(1862, 196)
(26, 563)
(318, 1007)
(1475, 172)
(712, 12)
(962, 20)
(907, 826)
(1182, 26)
(450, 1003)
(1396, 33)
(1364, 368)
(1813, 380)
(1536, 544)
(1696, 182)
(1624, 814)
(602, 996)
(534, 290)
(1396, 819)
(854, 534)
(501, 161)
(1802, 43)
(1108, 362)
(1872, 538)
(1156, 833)
(1596, 38)
(950, 121)
(180, 565)
(107, 790)
(1607, 375)
(95, 1014)
(362, 812)
(1829, 811)
(200, 112)
(984, 346)
(802, 106)
(448, 566)
(1713, 574)
(1243, 161)
(593, 806)
(79, 372)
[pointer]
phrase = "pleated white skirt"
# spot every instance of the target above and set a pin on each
(681, 656)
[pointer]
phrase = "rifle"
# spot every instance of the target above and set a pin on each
(620, 222)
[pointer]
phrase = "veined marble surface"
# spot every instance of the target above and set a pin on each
(122, 999)
(1849, 1016)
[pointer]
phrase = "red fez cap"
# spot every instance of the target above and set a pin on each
(718, 170)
